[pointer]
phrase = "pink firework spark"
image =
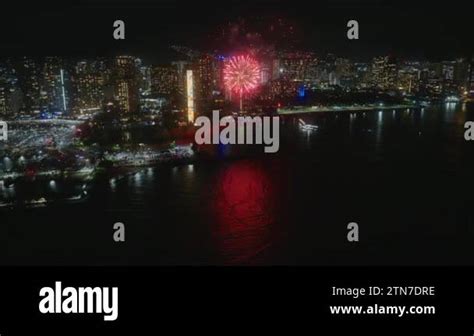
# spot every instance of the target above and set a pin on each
(241, 74)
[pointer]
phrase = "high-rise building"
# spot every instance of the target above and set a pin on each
(344, 67)
(363, 75)
(384, 73)
(190, 96)
(164, 80)
(10, 94)
(126, 83)
(470, 82)
(28, 74)
(461, 72)
(334, 78)
(345, 72)
(409, 77)
(180, 68)
(432, 78)
(293, 66)
(89, 81)
(54, 86)
(448, 70)
(145, 80)
(205, 76)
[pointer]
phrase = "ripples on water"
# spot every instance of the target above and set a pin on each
(404, 176)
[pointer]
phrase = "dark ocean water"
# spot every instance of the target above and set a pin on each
(405, 177)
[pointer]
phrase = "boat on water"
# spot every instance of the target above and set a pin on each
(36, 203)
(306, 127)
(452, 99)
(6, 204)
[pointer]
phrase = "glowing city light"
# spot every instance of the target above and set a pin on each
(63, 91)
(190, 95)
(3, 131)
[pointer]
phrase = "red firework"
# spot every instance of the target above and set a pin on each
(241, 74)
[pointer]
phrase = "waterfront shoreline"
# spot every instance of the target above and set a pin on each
(313, 109)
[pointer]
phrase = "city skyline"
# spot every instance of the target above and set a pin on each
(105, 129)
(300, 48)
(75, 86)
(323, 147)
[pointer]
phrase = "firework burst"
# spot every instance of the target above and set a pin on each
(241, 74)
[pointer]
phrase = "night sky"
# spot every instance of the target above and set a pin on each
(414, 29)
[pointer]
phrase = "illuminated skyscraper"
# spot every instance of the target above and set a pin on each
(293, 66)
(145, 80)
(28, 77)
(126, 83)
(470, 84)
(190, 95)
(89, 86)
(334, 78)
(384, 73)
(3, 100)
(10, 94)
(205, 76)
(180, 72)
(448, 71)
(54, 94)
(164, 80)
(345, 72)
